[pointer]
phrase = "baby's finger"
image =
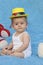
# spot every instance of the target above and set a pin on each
(11, 54)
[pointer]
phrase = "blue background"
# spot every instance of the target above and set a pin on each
(34, 8)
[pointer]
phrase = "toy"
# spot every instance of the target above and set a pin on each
(40, 50)
(3, 34)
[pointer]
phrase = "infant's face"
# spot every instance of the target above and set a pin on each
(19, 24)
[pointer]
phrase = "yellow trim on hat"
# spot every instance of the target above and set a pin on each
(15, 10)
(18, 16)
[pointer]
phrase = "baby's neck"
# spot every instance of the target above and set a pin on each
(17, 33)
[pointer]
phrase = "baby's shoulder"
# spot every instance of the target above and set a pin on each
(14, 33)
(26, 34)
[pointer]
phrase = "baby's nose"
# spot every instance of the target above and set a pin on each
(19, 24)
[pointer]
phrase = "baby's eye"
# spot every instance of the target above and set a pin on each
(16, 24)
(22, 23)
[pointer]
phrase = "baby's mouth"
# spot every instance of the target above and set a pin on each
(19, 28)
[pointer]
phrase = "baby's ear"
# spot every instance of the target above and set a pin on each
(11, 26)
(26, 25)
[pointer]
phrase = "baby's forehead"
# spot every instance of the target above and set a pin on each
(21, 19)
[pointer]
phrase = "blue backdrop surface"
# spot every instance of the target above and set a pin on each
(34, 8)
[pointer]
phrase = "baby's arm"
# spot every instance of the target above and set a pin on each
(26, 40)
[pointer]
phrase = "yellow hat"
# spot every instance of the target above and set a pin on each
(18, 12)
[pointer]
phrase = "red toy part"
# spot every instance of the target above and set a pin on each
(4, 32)
(1, 26)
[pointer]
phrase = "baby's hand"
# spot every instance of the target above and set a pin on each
(5, 47)
(9, 52)
(9, 48)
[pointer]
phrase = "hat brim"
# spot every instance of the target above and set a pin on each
(18, 16)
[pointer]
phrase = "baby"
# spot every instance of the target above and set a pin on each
(20, 45)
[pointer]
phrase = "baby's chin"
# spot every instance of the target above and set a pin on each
(20, 31)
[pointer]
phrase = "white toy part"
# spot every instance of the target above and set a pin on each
(40, 50)
(3, 44)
